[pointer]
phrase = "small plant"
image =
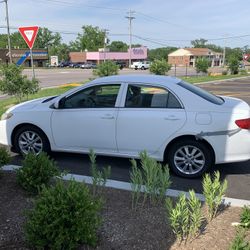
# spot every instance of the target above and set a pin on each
(239, 242)
(4, 156)
(153, 179)
(36, 170)
(224, 72)
(99, 178)
(185, 217)
(136, 184)
(233, 65)
(159, 67)
(245, 217)
(64, 216)
(202, 65)
(14, 83)
(213, 191)
(107, 68)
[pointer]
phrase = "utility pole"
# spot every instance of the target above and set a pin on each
(105, 43)
(130, 17)
(8, 28)
(224, 53)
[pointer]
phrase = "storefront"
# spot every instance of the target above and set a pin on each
(22, 57)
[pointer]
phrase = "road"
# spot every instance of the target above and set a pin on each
(237, 174)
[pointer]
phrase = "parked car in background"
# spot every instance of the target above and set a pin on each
(121, 64)
(64, 64)
(172, 120)
(88, 65)
(140, 65)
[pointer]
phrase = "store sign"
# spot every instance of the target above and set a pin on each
(138, 51)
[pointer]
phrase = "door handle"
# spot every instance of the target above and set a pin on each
(108, 117)
(171, 118)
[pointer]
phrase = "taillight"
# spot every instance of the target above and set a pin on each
(243, 123)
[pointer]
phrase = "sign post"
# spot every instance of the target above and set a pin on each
(29, 35)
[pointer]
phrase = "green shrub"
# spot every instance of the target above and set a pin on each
(159, 67)
(243, 72)
(4, 156)
(202, 64)
(233, 65)
(185, 217)
(107, 68)
(64, 216)
(213, 191)
(245, 217)
(153, 178)
(224, 72)
(36, 170)
(240, 243)
(99, 178)
(14, 83)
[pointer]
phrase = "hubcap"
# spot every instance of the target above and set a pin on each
(189, 159)
(30, 142)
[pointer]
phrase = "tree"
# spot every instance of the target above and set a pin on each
(14, 83)
(107, 68)
(16, 41)
(62, 51)
(118, 46)
(199, 43)
(233, 64)
(202, 64)
(46, 38)
(91, 39)
(160, 53)
(159, 67)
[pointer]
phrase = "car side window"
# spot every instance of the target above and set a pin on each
(139, 96)
(101, 96)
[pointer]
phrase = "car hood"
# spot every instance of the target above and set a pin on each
(27, 105)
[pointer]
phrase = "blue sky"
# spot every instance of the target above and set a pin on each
(157, 23)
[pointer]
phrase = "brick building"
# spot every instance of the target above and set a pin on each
(188, 56)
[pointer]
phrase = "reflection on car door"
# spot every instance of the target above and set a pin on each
(149, 117)
(87, 120)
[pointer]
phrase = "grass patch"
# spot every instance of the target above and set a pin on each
(8, 102)
(198, 79)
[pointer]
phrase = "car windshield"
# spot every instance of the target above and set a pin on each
(202, 93)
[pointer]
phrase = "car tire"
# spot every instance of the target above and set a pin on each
(190, 158)
(30, 139)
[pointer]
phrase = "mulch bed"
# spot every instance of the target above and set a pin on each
(122, 228)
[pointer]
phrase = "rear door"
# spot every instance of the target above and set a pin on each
(149, 117)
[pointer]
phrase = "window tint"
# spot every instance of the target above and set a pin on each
(139, 96)
(101, 96)
(202, 93)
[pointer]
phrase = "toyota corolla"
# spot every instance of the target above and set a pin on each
(172, 120)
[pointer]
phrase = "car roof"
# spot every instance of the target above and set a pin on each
(139, 79)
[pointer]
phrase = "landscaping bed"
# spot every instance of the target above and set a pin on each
(122, 227)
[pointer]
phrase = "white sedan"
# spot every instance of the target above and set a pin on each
(172, 120)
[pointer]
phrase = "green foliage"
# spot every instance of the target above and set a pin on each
(153, 178)
(202, 64)
(213, 191)
(14, 83)
(160, 53)
(36, 171)
(233, 65)
(199, 43)
(91, 39)
(224, 72)
(245, 217)
(118, 46)
(240, 243)
(99, 178)
(61, 50)
(185, 217)
(107, 68)
(160, 67)
(243, 72)
(64, 216)
(4, 156)
(136, 184)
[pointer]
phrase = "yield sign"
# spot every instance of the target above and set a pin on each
(29, 34)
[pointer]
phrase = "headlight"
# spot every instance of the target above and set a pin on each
(6, 116)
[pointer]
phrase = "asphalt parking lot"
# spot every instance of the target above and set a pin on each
(237, 174)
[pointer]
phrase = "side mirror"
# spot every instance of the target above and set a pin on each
(59, 103)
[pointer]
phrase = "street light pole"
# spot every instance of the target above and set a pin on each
(105, 43)
(130, 17)
(8, 28)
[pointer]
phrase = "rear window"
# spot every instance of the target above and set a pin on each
(202, 93)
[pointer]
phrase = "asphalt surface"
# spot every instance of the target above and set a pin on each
(237, 174)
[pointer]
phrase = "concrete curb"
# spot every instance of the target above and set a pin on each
(126, 186)
(223, 80)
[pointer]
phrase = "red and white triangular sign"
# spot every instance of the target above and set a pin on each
(29, 34)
